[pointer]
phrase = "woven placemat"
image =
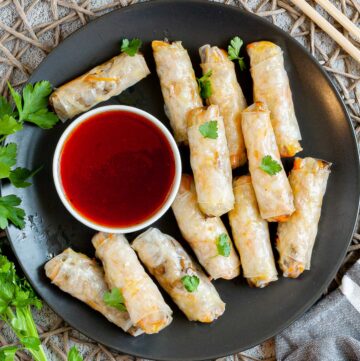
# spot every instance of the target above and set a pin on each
(30, 29)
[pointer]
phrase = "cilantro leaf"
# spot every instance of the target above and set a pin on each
(74, 355)
(223, 245)
(7, 353)
(10, 212)
(19, 175)
(209, 129)
(5, 107)
(205, 85)
(130, 47)
(191, 283)
(270, 165)
(8, 124)
(234, 51)
(7, 159)
(114, 298)
(33, 106)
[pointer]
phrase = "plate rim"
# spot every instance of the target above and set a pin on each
(331, 275)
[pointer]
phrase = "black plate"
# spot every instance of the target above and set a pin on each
(252, 315)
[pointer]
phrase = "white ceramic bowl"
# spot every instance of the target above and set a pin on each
(58, 183)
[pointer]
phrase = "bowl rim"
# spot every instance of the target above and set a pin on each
(57, 177)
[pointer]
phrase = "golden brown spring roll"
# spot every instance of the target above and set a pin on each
(123, 270)
(83, 278)
(207, 236)
(178, 84)
(251, 236)
(210, 162)
(98, 85)
(227, 94)
(271, 86)
(168, 262)
(296, 237)
(273, 192)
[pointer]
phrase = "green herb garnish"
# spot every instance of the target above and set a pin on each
(209, 129)
(19, 176)
(7, 159)
(7, 353)
(8, 125)
(16, 299)
(9, 211)
(31, 106)
(130, 47)
(234, 52)
(5, 108)
(74, 355)
(270, 165)
(114, 298)
(191, 283)
(223, 245)
(205, 85)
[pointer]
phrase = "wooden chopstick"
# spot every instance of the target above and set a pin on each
(328, 28)
(340, 18)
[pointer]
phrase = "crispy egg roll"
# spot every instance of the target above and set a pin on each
(227, 94)
(271, 86)
(98, 85)
(83, 278)
(251, 236)
(273, 192)
(178, 84)
(168, 262)
(123, 270)
(210, 162)
(296, 237)
(203, 233)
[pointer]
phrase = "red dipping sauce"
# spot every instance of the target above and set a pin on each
(117, 169)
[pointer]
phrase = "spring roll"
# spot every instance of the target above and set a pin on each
(98, 85)
(271, 86)
(204, 234)
(273, 192)
(83, 278)
(227, 94)
(144, 302)
(168, 262)
(251, 236)
(296, 237)
(210, 162)
(178, 84)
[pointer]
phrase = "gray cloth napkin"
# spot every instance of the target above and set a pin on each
(330, 331)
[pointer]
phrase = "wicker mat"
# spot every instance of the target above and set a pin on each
(29, 29)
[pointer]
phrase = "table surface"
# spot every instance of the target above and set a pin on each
(29, 29)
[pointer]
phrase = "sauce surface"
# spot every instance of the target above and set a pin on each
(117, 169)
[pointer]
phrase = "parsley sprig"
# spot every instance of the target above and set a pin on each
(209, 129)
(205, 85)
(130, 47)
(31, 106)
(16, 299)
(234, 51)
(270, 165)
